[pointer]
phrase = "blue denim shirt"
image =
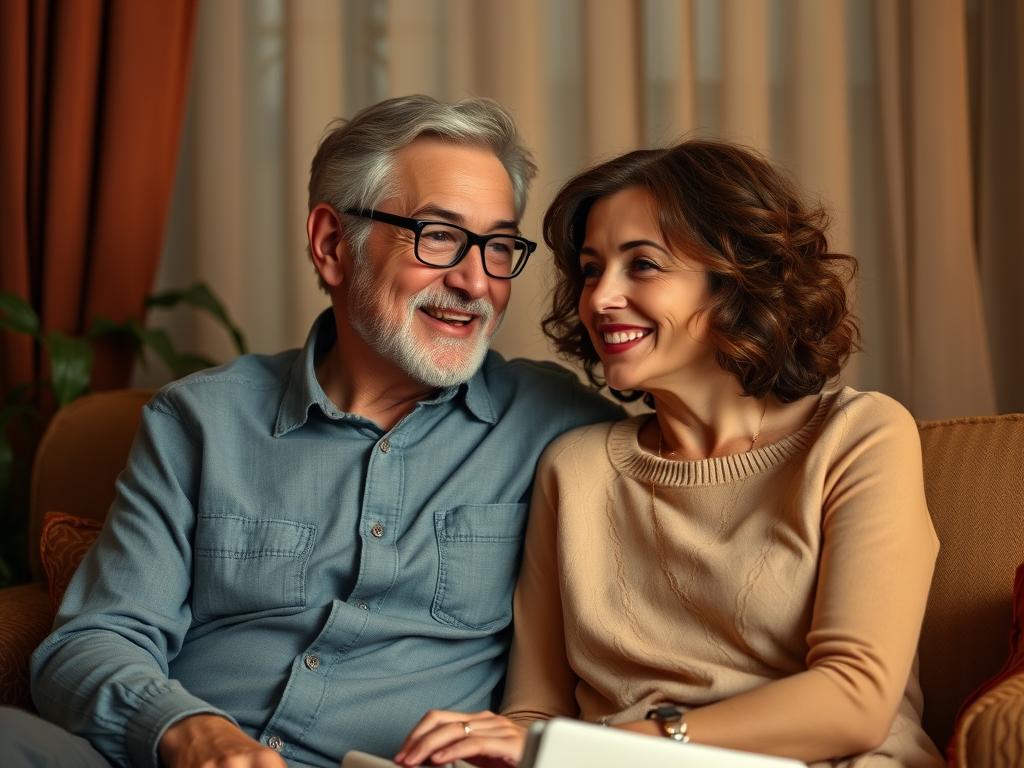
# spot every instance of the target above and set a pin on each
(316, 579)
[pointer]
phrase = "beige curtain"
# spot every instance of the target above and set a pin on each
(904, 116)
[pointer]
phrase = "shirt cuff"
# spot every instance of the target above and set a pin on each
(161, 706)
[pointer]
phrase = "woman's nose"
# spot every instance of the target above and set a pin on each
(608, 293)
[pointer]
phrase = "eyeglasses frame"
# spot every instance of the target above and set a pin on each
(472, 238)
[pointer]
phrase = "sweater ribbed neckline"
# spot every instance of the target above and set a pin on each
(633, 461)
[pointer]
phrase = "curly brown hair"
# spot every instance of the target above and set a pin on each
(779, 317)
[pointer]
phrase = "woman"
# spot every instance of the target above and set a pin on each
(754, 558)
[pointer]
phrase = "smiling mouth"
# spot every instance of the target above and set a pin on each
(624, 337)
(449, 316)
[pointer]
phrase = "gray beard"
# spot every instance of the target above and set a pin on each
(445, 362)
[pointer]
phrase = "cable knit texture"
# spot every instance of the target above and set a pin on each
(798, 571)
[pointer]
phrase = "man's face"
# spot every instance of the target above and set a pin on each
(435, 324)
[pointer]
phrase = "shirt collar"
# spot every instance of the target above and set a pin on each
(303, 390)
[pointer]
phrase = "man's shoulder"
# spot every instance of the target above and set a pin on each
(246, 379)
(545, 387)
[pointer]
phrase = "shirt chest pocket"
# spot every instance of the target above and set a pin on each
(245, 565)
(478, 562)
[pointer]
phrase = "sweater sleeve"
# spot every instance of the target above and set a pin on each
(540, 683)
(877, 557)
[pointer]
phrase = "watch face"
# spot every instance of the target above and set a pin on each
(666, 713)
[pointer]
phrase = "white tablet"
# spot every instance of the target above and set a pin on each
(562, 743)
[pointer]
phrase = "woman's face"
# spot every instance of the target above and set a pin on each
(642, 298)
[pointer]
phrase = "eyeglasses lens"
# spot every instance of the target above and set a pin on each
(442, 246)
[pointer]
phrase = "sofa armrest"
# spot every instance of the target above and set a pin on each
(990, 734)
(25, 620)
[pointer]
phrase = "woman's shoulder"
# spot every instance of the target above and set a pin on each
(869, 419)
(868, 409)
(587, 444)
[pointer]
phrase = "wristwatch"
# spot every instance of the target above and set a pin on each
(672, 721)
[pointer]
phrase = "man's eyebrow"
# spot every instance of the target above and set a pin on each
(436, 212)
(627, 246)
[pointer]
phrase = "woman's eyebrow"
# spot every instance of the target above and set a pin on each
(627, 246)
(631, 244)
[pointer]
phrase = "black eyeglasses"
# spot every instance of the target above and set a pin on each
(441, 245)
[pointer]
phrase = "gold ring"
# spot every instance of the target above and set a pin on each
(466, 728)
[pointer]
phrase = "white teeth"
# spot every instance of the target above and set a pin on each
(446, 314)
(621, 337)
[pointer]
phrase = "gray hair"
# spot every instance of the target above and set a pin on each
(353, 165)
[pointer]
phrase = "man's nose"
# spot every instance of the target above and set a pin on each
(468, 276)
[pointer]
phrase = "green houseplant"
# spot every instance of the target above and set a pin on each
(70, 358)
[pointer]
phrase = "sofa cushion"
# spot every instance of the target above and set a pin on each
(975, 493)
(25, 619)
(997, 706)
(62, 545)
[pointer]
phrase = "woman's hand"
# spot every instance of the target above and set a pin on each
(486, 739)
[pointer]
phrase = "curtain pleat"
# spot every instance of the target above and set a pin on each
(950, 370)
(314, 94)
(614, 119)
(746, 96)
(93, 100)
(1000, 193)
(16, 352)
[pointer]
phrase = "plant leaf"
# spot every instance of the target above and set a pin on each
(16, 314)
(70, 365)
(201, 297)
(102, 326)
(158, 340)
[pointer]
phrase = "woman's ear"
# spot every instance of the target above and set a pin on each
(327, 246)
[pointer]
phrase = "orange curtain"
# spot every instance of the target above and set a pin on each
(93, 97)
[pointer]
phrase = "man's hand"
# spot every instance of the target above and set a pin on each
(211, 741)
(482, 738)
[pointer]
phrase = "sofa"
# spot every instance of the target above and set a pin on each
(974, 481)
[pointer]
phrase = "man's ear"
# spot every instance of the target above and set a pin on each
(327, 246)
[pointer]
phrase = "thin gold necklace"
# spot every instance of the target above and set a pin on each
(753, 442)
(753, 438)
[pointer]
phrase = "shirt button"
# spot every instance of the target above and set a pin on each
(311, 661)
(377, 530)
(275, 743)
(385, 445)
(363, 606)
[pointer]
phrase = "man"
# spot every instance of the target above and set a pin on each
(309, 550)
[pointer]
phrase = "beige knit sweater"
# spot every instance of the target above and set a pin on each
(780, 591)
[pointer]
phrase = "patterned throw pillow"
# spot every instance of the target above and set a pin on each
(62, 545)
(999, 710)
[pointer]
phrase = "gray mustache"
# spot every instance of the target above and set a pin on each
(442, 299)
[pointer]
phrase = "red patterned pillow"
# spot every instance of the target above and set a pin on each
(978, 701)
(62, 545)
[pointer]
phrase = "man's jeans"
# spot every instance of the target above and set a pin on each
(28, 741)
